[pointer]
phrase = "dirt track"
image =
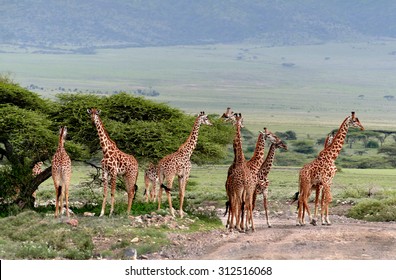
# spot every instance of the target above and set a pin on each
(345, 239)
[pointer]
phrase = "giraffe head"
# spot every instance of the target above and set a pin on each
(93, 112)
(227, 114)
(268, 135)
(63, 132)
(203, 119)
(236, 119)
(354, 121)
(329, 139)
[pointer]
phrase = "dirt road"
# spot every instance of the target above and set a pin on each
(345, 239)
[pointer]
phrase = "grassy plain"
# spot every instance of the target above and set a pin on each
(307, 89)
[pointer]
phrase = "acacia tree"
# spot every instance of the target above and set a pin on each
(390, 152)
(27, 135)
(29, 128)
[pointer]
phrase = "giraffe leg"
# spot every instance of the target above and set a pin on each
(147, 188)
(265, 201)
(242, 210)
(159, 197)
(231, 214)
(326, 199)
(67, 199)
(61, 196)
(169, 181)
(56, 201)
(317, 193)
(249, 219)
(301, 209)
(131, 189)
(182, 190)
(105, 183)
(113, 181)
(228, 206)
(168, 194)
(66, 182)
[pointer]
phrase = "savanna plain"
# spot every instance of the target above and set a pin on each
(305, 89)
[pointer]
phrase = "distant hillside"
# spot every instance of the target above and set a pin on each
(94, 23)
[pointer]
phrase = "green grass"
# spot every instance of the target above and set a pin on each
(37, 235)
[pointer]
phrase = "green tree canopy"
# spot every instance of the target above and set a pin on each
(148, 130)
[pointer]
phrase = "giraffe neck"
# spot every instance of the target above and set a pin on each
(269, 160)
(332, 151)
(61, 142)
(105, 142)
(188, 147)
(258, 157)
(239, 156)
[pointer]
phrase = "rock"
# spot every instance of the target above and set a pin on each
(130, 253)
(135, 240)
(72, 222)
(89, 214)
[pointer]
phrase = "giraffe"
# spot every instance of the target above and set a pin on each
(262, 180)
(227, 114)
(150, 180)
(321, 171)
(115, 162)
(179, 164)
(37, 168)
(61, 173)
(36, 171)
(256, 160)
(318, 187)
(239, 184)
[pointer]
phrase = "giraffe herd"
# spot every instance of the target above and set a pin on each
(246, 179)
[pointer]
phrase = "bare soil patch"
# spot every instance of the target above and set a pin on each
(345, 239)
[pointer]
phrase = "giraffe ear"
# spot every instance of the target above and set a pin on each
(89, 111)
(98, 112)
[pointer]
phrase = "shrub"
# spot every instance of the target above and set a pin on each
(374, 210)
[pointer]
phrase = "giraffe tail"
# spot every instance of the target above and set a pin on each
(59, 191)
(136, 188)
(295, 198)
(227, 207)
(165, 188)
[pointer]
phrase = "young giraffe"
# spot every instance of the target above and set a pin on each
(240, 184)
(321, 171)
(37, 168)
(114, 163)
(257, 160)
(318, 187)
(179, 164)
(150, 180)
(61, 173)
(263, 182)
(36, 171)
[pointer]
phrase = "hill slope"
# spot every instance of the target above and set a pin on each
(93, 23)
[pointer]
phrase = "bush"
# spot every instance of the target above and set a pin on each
(374, 210)
(304, 147)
